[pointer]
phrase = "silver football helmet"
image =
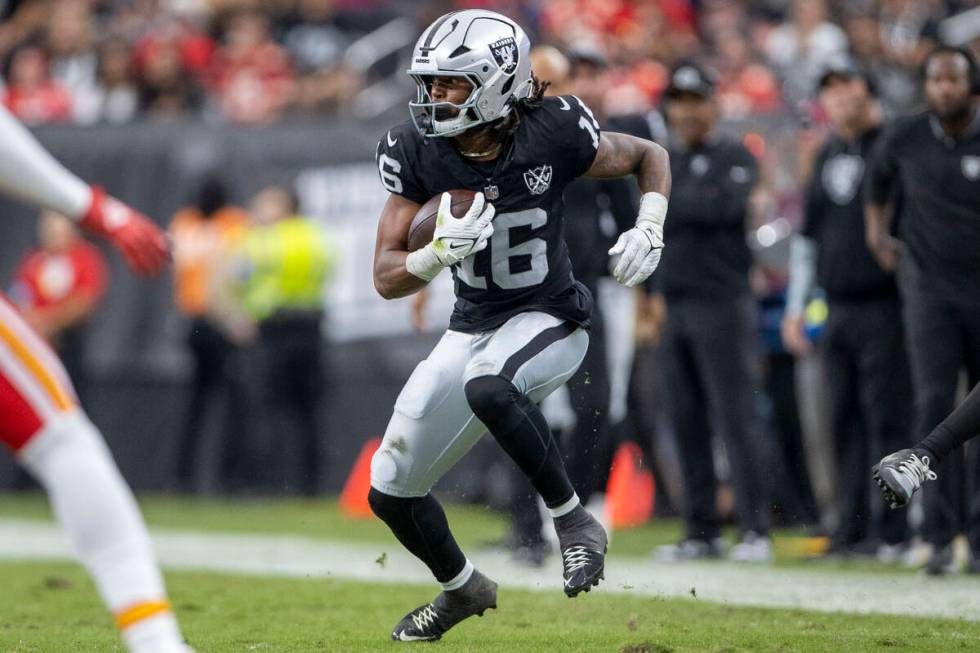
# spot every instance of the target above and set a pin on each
(489, 50)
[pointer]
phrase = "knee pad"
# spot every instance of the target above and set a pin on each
(393, 471)
(496, 402)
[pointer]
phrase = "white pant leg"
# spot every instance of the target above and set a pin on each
(537, 352)
(432, 426)
(94, 505)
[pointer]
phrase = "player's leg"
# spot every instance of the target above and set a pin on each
(724, 344)
(430, 429)
(513, 369)
(585, 447)
(966, 423)
(56, 442)
(953, 432)
(848, 430)
(209, 356)
(509, 413)
(885, 393)
(687, 410)
(936, 355)
(902, 473)
(935, 359)
(306, 365)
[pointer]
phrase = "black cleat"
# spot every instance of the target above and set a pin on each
(427, 623)
(900, 474)
(582, 541)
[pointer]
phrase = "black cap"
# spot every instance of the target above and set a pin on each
(586, 54)
(690, 78)
(840, 65)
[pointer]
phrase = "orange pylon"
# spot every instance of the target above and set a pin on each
(630, 491)
(354, 496)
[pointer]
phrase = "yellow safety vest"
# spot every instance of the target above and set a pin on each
(287, 264)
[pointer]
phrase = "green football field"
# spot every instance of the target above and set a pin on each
(51, 606)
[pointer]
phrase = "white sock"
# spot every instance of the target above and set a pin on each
(157, 634)
(460, 579)
(96, 509)
(565, 508)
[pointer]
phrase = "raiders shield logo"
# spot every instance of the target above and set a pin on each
(538, 179)
(842, 176)
(971, 167)
(505, 54)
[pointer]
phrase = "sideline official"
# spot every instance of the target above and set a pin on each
(287, 263)
(934, 159)
(862, 344)
(709, 342)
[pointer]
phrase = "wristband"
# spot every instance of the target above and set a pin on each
(423, 263)
(653, 210)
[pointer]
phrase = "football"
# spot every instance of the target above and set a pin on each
(424, 223)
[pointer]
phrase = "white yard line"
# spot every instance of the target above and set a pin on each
(721, 582)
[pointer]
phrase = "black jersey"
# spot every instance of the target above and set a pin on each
(834, 218)
(708, 256)
(939, 222)
(525, 266)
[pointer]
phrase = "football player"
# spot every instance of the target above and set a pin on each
(520, 325)
(49, 433)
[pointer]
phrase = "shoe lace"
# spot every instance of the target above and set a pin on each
(425, 617)
(917, 469)
(575, 557)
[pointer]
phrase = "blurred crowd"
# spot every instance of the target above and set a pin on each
(251, 62)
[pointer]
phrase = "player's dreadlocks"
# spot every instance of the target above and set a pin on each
(538, 89)
(505, 127)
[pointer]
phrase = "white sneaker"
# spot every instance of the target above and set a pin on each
(892, 554)
(752, 548)
(690, 549)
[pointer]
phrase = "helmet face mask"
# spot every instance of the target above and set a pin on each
(487, 49)
(442, 118)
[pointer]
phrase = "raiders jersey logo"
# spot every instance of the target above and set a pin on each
(842, 177)
(505, 54)
(971, 167)
(538, 179)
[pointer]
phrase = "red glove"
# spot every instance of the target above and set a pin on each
(141, 242)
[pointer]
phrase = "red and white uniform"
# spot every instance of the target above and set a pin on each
(52, 437)
(34, 387)
(46, 280)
